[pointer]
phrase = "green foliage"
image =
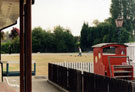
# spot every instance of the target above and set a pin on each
(102, 33)
(12, 46)
(124, 35)
(107, 31)
(126, 10)
(37, 39)
(84, 34)
(5, 47)
(64, 40)
(61, 40)
(15, 45)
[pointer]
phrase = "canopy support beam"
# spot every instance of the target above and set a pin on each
(25, 47)
(28, 48)
(22, 46)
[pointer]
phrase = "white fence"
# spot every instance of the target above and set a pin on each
(82, 66)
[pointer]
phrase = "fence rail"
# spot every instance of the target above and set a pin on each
(133, 64)
(82, 66)
(75, 81)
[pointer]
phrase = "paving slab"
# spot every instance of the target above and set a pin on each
(39, 84)
(42, 85)
(6, 88)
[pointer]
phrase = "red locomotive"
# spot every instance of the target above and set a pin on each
(110, 59)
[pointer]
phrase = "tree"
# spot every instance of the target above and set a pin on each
(14, 33)
(61, 40)
(15, 45)
(124, 36)
(48, 43)
(84, 34)
(96, 22)
(64, 40)
(105, 32)
(126, 10)
(37, 39)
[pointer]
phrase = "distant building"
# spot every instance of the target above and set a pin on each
(131, 50)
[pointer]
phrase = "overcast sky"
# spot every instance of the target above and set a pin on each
(68, 13)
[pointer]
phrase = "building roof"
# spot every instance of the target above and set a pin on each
(104, 44)
(9, 12)
(130, 44)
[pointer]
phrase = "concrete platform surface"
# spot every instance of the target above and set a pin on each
(6, 88)
(39, 84)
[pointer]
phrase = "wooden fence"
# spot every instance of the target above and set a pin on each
(97, 83)
(69, 79)
(75, 81)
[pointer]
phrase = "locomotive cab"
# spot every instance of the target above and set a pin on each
(110, 59)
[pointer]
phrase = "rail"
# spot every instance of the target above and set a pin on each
(13, 73)
(82, 66)
(116, 57)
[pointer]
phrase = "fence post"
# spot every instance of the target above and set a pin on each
(7, 68)
(133, 86)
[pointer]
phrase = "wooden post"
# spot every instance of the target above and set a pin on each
(21, 46)
(0, 45)
(28, 49)
(1, 79)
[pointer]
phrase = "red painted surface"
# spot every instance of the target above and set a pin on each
(101, 64)
(99, 67)
(113, 61)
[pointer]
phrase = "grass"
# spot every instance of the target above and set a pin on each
(42, 60)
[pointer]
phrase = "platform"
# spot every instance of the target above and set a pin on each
(39, 84)
(6, 88)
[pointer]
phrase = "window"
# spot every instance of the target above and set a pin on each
(109, 50)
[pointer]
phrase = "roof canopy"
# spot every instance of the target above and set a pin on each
(9, 12)
(105, 44)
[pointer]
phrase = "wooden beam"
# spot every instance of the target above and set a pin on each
(21, 46)
(28, 49)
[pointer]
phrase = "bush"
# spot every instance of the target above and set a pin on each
(5, 47)
(11, 46)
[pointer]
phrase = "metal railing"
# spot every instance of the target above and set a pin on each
(116, 57)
